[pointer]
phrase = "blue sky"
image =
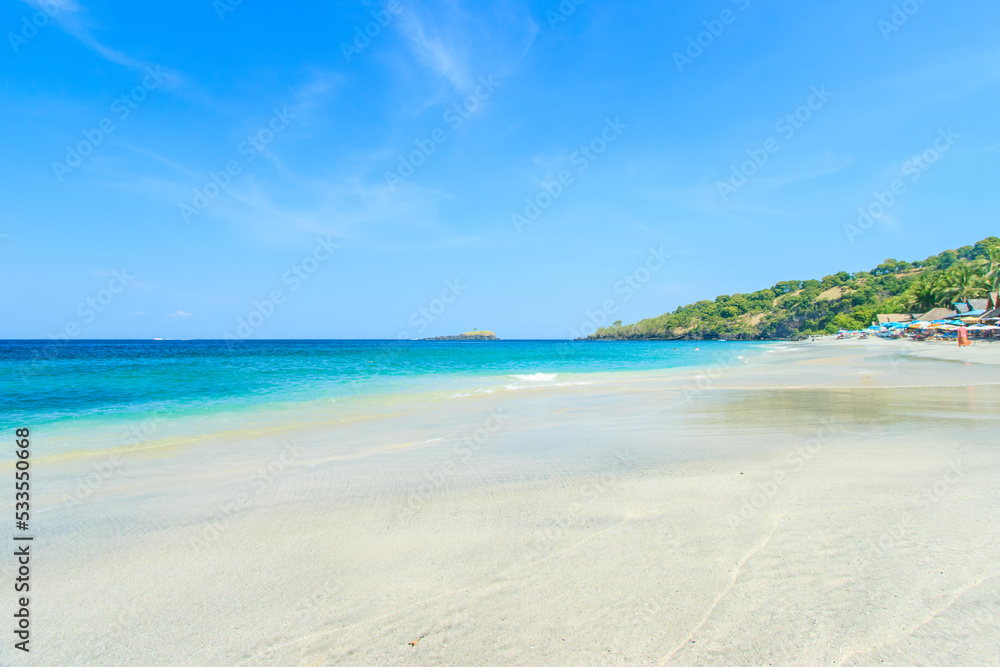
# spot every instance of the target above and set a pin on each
(117, 117)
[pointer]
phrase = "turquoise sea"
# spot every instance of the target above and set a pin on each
(70, 387)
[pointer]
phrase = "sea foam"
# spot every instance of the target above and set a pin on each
(536, 377)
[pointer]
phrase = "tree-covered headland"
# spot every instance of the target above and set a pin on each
(800, 308)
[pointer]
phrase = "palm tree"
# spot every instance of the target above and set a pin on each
(991, 269)
(922, 294)
(960, 282)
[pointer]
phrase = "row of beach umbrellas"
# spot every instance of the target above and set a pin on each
(936, 325)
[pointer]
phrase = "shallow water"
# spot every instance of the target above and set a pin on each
(102, 394)
(632, 516)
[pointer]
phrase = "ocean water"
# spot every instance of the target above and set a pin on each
(85, 393)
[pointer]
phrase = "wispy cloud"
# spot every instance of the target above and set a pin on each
(347, 207)
(156, 157)
(532, 34)
(317, 91)
(946, 81)
(74, 19)
(440, 54)
(822, 164)
(181, 314)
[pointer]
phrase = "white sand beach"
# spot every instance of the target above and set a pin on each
(826, 503)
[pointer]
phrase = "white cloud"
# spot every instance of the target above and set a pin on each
(822, 164)
(180, 313)
(431, 48)
(71, 16)
(316, 92)
(532, 31)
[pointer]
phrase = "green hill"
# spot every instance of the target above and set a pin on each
(799, 308)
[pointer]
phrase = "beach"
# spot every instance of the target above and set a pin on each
(814, 503)
(463, 334)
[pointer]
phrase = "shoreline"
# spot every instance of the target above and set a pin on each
(652, 518)
(822, 359)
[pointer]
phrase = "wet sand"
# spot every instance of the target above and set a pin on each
(835, 502)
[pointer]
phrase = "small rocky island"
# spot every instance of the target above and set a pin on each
(469, 335)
